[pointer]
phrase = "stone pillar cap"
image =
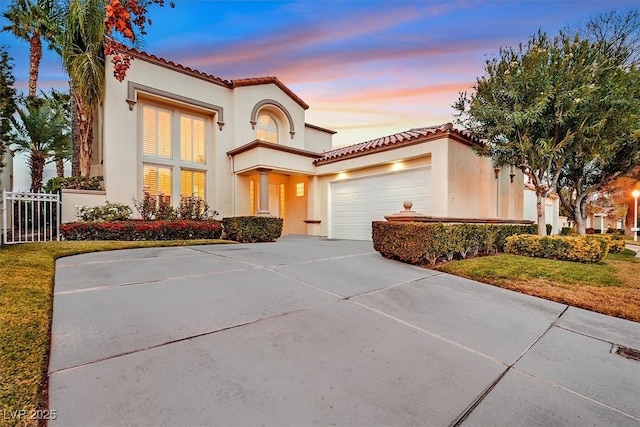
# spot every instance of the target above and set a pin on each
(406, 215)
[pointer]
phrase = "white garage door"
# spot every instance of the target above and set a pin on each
(357, 202)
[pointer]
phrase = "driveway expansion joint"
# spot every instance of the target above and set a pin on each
(192, 337)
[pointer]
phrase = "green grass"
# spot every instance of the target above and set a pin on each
(610, 287)
(26, 288)
(514, 267)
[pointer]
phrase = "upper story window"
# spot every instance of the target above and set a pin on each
(192, 139)
(157, 132)
(267, 129)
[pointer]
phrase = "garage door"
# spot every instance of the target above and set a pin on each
(357, 202)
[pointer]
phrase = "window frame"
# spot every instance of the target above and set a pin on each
(175, 163)
(266, 130)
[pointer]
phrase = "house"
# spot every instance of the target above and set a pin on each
(6, 180)
(244, 146)
(551, 209)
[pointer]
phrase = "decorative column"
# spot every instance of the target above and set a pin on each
(263, 206)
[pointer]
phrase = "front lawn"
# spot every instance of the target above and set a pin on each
(611, 287)
(26, 286)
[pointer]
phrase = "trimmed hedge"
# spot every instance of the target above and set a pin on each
(615, 241)
(421, 243)
(564, 248)
(251, 229)
(141, 230)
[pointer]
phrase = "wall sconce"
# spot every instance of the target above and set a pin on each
(512, 173)
(496, 171)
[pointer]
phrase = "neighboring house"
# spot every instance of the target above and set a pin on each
(6, 184)
(6, 177)
(603, 221)
(551, 209)
(245, 147)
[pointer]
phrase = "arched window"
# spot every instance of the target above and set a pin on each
(267, 129)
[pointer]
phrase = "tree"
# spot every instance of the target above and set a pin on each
(94, 29)
(33, 21)
(60, 101)
(83, 58)
(618, 32)
(7, 100)
(38, 131)
(525, 108)
(607, 145)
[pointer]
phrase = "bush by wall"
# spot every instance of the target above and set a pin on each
(106, 212)
(74, 182)
(141, 230)
(421, 243)
(250, 229)
(564, 248)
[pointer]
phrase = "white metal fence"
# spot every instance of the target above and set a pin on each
(30, 217)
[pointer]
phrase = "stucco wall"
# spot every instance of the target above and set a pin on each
(317, 140)
(464, 197)
(121, 129)
(73, 198)
(246, 98)
(6, 177)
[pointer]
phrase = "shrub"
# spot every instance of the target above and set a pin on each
(568, 231)
(590, 231)
(195, 208)
(421, 243)
(154, 207)
(250, 229)
(616, 243)
(106, 212)
(549, 229)
(55, 184)
(141, 230)
(564, 248)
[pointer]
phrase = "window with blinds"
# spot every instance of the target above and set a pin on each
(192, 139)
(156, 130)
(158, 181)
(192, 183)
(166, 131)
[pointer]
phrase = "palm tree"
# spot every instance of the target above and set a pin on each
(83, 58)
(33, 21)
(59, 101)
(39, 131)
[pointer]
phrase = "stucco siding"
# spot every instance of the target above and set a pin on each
(317, 140)
(246, 98)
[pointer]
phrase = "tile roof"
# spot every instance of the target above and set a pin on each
(176, 67)
(213, 79)
(409, 137)
(269, 80)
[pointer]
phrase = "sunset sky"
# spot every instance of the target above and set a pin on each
(366, 68)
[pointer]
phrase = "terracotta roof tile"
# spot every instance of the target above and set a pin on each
(397, 140)
(213, 79)
(177, 67)
(252, 81)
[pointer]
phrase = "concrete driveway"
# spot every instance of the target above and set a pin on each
(310, 331)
